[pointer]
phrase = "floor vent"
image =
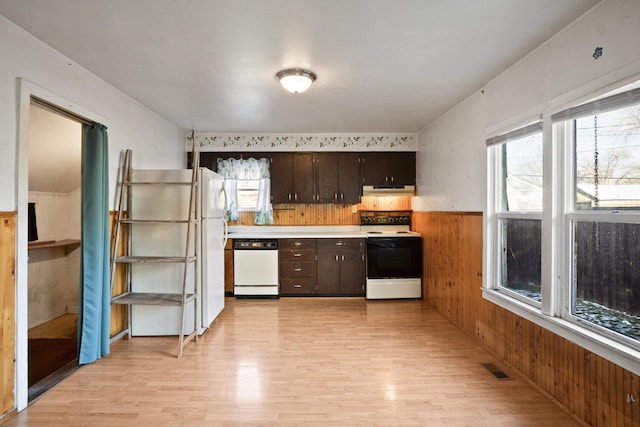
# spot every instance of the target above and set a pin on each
(497, 372)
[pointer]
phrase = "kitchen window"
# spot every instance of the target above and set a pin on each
(247, 185)
(248, 194)
(563, 224)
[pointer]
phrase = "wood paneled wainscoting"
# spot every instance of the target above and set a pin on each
(588, 386)
(8, 309)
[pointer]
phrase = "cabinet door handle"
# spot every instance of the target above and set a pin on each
(289, 196)
(297, 254)
(342, 257)
(297, 286)
(297, 269)
(297, 243)
(295, 196)
(336, 258)
(340, 243)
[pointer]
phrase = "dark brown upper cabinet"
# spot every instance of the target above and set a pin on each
(339, 178)
(326, 177)
(389, 168)
(292, 178)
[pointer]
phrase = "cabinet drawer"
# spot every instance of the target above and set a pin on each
(297, 243)
(333, 244)
(297, 255)
(297, 269)
(303, 286)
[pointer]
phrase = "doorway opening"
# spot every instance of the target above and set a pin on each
(55, 205)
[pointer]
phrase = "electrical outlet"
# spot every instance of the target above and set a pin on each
(354, 209)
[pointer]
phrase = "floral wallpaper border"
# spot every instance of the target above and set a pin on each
(304, 142)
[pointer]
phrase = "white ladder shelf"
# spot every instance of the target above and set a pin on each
(189, 258)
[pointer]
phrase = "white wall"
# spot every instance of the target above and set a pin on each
(155, 142)
(48, 290)
(54, 273)
(28, 66)
(54, 218)
(451, 155)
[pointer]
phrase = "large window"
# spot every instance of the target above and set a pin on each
(604, 214)
(519, 210)
(563, 223)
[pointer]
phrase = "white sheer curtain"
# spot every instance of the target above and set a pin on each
(234, 170)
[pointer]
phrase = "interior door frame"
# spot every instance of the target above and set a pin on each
(26, 90)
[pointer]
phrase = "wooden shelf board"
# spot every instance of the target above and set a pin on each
(154, 259)
(156, 221)
(158, 183)
(53, 243)
(147, 298)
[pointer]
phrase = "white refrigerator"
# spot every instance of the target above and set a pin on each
(205, 276)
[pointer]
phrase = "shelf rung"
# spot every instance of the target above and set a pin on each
(148, 298)
(159, 183)
(155, 259)
(156, 221)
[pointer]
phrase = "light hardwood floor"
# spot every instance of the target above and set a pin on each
(295, 362)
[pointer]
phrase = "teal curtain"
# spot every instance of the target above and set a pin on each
(95, 292)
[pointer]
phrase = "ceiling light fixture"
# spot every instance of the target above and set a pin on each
(295, 80)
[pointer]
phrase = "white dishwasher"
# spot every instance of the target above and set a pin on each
(255, 268)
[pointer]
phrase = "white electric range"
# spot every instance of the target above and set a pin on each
(394, 255)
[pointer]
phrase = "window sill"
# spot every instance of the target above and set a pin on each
(611, 350)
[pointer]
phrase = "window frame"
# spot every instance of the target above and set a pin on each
(500, 216)
(607, 217)
(558, 216)
(565, 136)
(495, 146)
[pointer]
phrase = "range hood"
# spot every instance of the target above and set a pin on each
(388, 190)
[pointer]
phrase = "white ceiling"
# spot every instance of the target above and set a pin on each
(382, 65)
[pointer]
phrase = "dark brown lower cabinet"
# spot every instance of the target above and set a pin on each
(341, 267)
(297, 259)
(228, 268)
(323, 267)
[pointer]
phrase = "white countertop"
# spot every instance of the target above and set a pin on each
(306, 232)
(295, 231)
